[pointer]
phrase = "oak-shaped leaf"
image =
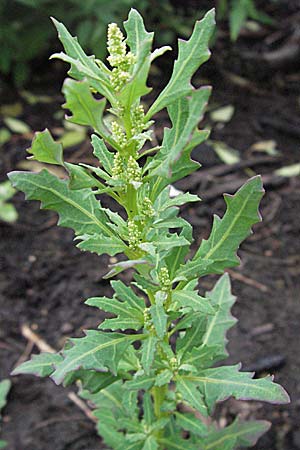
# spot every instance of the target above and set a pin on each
(238, 434)
(85, 108)
(127, 316)
(91, 380)
(45, 149)
(189, 422)
(78, 209)
(148, 350)
(158, 314)
(218, 252)
(140, 43)
(83, 66)
(105, 157)
(185, 114)
(191, 54)
(219, 383)
(97, 351)
(41, 365)
(81, 178)
(100, 244)
(190, 394)
(187, 299)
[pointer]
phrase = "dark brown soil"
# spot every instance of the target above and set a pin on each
(44, 279)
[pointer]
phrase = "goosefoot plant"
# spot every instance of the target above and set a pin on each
(149, 370)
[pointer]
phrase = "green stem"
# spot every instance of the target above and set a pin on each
(159, 395)
(127, 123)
(131, 201)
(158, 398)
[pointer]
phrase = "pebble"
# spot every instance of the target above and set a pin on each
(66, 327)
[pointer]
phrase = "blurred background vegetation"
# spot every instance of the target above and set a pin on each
(27, 36)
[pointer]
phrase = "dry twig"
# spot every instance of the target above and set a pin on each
(246, 280)
(35, 339)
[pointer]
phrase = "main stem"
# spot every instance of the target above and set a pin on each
(159, 394)
(131, 206)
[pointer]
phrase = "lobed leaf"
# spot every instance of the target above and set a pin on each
(100, 244)
(81, 64)
(126, 294)
(165, 242)
(91, 380)
(222, 382)
(148, 411)
(80, 178)
(222, 320)
(179, 200)
(193, 336)
(147, 352)
(164, 377)
(150, 443)
(97, 350)
(141, 382)
(140, 43)
(45, 149)
(190, 299)
(78, 210)
(127, 317)
(191, 394)
(85, 109)
(191, 423)
(242, 434)
(176, 256)
(185, 114)
(159, 317)
(101, 152)
(177, 443)
(219, 251)
(41, 365)
(191, 54)
(203, 356)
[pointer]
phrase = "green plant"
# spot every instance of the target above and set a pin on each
(4, 389)
(8, 212)
(17, 17)
(151, 376)
(88, 19)
(238, 12)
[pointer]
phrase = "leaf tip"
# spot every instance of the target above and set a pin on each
(15, 372)
(55, 22)
(283, 398)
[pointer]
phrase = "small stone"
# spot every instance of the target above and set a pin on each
(66, 327)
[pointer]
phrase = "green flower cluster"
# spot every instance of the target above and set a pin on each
(164, 279)
(119, 134)
(120, 60)
(134, 235)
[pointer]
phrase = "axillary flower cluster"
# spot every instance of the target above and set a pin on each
(129, 132)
